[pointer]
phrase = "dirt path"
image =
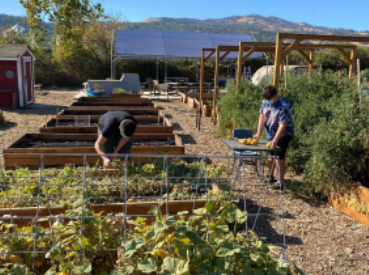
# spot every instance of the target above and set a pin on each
(320, 239)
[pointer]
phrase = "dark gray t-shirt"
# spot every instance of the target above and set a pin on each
(109, 123)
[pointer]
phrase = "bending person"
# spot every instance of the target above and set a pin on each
(114, 131)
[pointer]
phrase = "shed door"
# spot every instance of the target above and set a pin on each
(27, 80)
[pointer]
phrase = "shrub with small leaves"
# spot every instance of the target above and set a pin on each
(120, 91)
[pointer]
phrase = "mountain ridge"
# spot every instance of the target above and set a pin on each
(261, 27)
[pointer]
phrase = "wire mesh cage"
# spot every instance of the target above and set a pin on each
(84, 121)
(65, 217)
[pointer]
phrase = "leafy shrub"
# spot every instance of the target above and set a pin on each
(330, 145)
(120, 91)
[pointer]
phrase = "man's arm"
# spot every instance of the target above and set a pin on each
(123, 141)
(260, 126)
(281, 129)
(100, 150)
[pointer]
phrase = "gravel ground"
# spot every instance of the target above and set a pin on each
(22, 121)
(320, 239)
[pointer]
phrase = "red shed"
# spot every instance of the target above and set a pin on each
(16, 76)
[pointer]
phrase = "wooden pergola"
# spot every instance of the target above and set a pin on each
(251, 47)
(280, 52)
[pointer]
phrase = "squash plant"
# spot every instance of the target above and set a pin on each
(196, 244)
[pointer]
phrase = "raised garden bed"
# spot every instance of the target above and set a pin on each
(149, 125)
(354, 202)
(126, 95)
(185, 97)
(146, 102)
(109, 98)
(100, 110)
(82, 144)
(138, 208)
(207, 109)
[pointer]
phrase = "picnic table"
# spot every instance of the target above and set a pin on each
(260, 147)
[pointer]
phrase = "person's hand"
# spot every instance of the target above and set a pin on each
(274, 143)
(257, 136)
(107, 163)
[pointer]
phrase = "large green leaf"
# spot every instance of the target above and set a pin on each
(195, 238)
(132, 246)
(257, 259)
(201, 211)
(172, 266)
(19, 269)
(123, 271)
(246, 270)
(55, 252)
(277, 271)
(227, 248)
(211, 208)
(181, 248)
(148, 265)
(82, 268)
(51, 271)
(258, 272)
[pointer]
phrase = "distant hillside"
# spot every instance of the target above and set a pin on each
(6, 19)
(263, 28)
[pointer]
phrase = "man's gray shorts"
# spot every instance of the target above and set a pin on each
(113, 142)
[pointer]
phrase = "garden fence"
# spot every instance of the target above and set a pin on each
(49, 198)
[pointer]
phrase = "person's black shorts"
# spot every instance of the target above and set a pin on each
(283, 145)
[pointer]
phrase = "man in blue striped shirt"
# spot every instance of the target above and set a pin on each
(275, 118)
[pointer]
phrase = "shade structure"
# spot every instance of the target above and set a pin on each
(150, 44)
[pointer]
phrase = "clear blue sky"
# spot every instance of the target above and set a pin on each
(352, 14)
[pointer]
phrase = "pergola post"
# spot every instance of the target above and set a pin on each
(277, 63)
(216, 75)
(311, 63)
(239, 64)
(202, 74)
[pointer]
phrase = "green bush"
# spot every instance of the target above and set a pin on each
(331, 145)
(120, 91)
(98, 89)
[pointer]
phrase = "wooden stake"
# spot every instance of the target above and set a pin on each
(359, 86)
(352, 63)
(311, 63)
(202, 75)
(216, 75)
(57, 112)
(286, 73)
(239, 65)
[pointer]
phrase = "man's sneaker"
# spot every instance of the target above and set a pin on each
(272, 180)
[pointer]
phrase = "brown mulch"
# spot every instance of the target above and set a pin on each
(320, 239)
